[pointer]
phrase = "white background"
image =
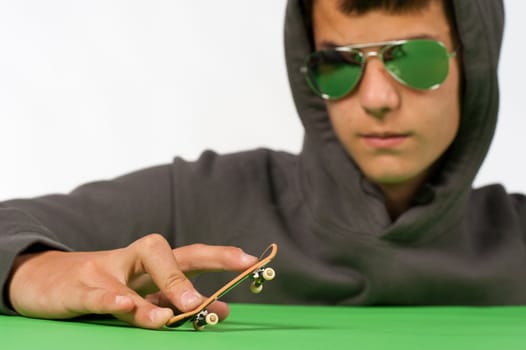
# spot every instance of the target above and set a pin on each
(93, 89)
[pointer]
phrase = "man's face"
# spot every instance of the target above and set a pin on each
(393, 132)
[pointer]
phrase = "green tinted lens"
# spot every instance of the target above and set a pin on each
(420, 64)
(332, 74)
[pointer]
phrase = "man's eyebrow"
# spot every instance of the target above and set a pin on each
(328, 44)
(421, 36)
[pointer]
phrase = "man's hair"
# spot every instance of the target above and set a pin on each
(360, 7)
(396, 6)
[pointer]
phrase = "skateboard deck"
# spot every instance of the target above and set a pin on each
(259, 273)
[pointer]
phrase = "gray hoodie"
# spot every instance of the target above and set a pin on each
(338, 245)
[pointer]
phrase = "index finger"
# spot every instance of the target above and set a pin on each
(200, 257)
(154, 256)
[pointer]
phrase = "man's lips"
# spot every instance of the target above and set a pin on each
(384, 140)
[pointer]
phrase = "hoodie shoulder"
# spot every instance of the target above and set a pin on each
(219, 193)
(492, 208)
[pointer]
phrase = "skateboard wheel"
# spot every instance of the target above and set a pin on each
(197, 326)
(256, 288)
(205, 318)
(268, 274)
(211, 319)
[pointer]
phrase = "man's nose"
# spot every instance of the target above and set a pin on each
(378, 93)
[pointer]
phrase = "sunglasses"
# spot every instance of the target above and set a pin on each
(421, 64)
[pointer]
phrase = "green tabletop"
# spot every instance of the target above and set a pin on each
(289, 327)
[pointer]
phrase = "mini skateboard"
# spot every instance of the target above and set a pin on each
(258, 272)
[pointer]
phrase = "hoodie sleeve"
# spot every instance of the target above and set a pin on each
(96, 216)
(519, 200)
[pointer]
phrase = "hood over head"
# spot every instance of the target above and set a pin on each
(339, 196)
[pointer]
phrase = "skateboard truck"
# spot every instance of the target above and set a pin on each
(259, 277)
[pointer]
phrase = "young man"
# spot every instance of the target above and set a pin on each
(399, 109)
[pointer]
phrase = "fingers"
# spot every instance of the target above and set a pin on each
(200, 257)
(167, 268)
(102, 301)
(146, 315)
(118, 300)
(154, 256)
(125, 305)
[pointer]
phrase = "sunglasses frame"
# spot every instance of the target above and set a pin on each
(382, 47)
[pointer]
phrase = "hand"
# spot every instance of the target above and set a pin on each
(56, 284)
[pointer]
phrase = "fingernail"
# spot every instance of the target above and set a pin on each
(190, 299)
(160, 315)
(247, 259)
